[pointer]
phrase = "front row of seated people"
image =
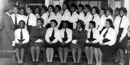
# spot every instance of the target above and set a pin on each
(52, 39)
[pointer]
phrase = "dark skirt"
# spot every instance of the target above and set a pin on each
(107, 51)
(54, 45)
(18, 46)
(95, 45)
(123, 44)
(33, 44)
(64, 46)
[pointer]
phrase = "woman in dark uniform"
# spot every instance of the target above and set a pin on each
(121, 29)
(92, 43)
(37, 39)
(65, 39)
(20, 42)
(51, 37)
(107, 41)
(78, 39)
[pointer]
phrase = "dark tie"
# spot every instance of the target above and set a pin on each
(92, 17)
(28, 20)
(21, 35)
(49, 15)
(63, 13)
(105, 33)
(52, 36)
(120, 22)
(15, 19)
(65, 34)
(91, 35)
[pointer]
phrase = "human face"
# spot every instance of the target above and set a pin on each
(21, 11)
(29, 11)
(117, 13)
(80, 9)
(101, 12)
(72, 9)
(93, 11)
(57, 9)
(50, 9)
(107, 24)
(36, 11)
(15, 10)
(53, 24)
(39, 23)
(108, 13)
(78, 25)
(86, 10)
(64, 7)
(91, 26)
(122, 13)
(21, 25)
(43, 11)
(64, 25)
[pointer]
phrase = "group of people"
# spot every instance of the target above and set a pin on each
(76, 28)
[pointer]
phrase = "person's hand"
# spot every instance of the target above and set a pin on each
(120, 40)
(74, 41)
(20, 43)
(50, 42)
(63, 43)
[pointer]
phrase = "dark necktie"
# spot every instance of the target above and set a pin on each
(49, 15)
(65, 34)
(28, 20)
(92, 17)
(91, 34)
(15, 19)
(52, 36)
(120, 22)
(21, 35)
(63, 13)
(105, 33)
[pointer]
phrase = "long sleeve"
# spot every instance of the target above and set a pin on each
(97, 37)
(32, 38)
(26, 33)
(112, 38)
(69, 36)
(15, 36)
(43, 34)
(47, 35)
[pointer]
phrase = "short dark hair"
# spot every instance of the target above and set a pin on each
(80, 5)
(110, 22)
(103, 10)
(94, 24)
(82, 23)
(16, 6)
(58, 6)
(42, 21)
(96, 8)
(45, 8)
(53, 20)
(52, 7)
(88, 6)
(66, 4)
(110, 10)
(74, 5)
(123, 9)
(30, 7)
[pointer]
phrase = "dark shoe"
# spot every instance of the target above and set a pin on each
(78, 63)
(64, 64)
(74, 63)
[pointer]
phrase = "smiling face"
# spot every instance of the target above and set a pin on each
(50, 9)
(122, 13)
(91, 26)
(28, 10)
(93, 11)
(107, 24)
(21, 24)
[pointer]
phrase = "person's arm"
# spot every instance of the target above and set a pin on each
(47, 36)
(43, 35)
(32, 38)
(69, 37)
(27, 37)
(60, 36)
(15, 36)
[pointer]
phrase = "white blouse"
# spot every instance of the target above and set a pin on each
(110, 17)
(97, 20)
(58, 18)
(81, 16)
(102, 22)
(66, 15)
(69, 35)
(111, 35)
(18, 18)
(32, 21)
(45, 17)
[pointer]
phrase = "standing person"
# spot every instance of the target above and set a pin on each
(58, 14)
(107, 41)
(102, 19)
(95, 16)
(121, 28)
(37, 12)
(15, 17)
(109, 13)
(65, 11)
(51, 37)
(37, 37)
(7, 29)
(22, 13)
(78, 40)
(65, 39)
(51, 15)
(31, 19)
(20, 41)
(80, 12)
(92, 44)
(88, 16)
(117, 12)
(44, 14)
(74, 15)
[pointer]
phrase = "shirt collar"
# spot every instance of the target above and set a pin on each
(8, 13)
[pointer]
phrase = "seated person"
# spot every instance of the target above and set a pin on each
(51, 37)
(78, 40)
(20, 42)
(65, 39)
(92, 43)
(37, 38)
